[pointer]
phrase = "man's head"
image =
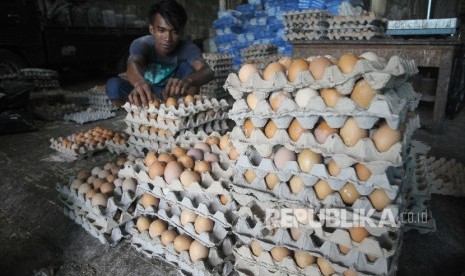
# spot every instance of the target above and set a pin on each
(167, 20)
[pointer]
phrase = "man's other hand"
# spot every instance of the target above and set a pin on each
(141, 94)
(176, 87)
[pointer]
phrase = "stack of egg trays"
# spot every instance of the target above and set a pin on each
(54, 112)
(100, 101)
(258, 50)
(108, 224)
(393, 76)
(359, 27)
(447, 176)
(306, 25)
(89, 115)
(75, 151)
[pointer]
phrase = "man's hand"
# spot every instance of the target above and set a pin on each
(177, 87)
(141, 94)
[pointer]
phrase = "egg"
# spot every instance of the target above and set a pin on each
(212, 140)
(350, 273)
(165, 157)
(182, 243)
(211, 157)
(358, 234)
(295, 233)
(233, 153)
(385, 137)
(272, 69)
(172, 171)
(257, 250)
(303, 259)
(285, 61)
(120, 162)
(171, 102)
(90, 180)
(370, 56)
(110, 178)
(322, 189)
(371, 259)
(107, 166)
(224, 199)
(197, 154)
(245, 72)
(279, 253)
(203, 224)
(318, 66)
(307, 158)
(187, 162)
(363, 94)
(304, 95)
(75, 184)
(148, 200)
(224, 142)
(129, 184)
(282, 156)
(248, 128)
(295, 130)
(103, 174)
(157, 169)
(83, 175)
(118, 182)
(187, 216)
(351, 133)
(296, 184)
(90, 194)
(157, 227)
(349, 193)
(323, 131)
(379, 199)
(143, 224)
(330, 96)
(178, 152)
(347, 63)
(325, 267)
(197, 251)
(97, 183)
(168, 237)
(95, 170)
(276, 99)
(250, 176)
(203, 167)
(271, 180)
(107, 188)
(203, 147)
(297, 66)
(333, 168)
(270, 129)
(363, 173)
(344, 249)
(188, 177)
(189, 99)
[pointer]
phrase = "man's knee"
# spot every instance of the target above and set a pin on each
(118, 88)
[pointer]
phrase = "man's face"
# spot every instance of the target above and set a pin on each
(166, 36)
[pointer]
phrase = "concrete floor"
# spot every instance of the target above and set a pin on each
(34, 233)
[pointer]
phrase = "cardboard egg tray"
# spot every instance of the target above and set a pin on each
(378, 75)
(356, 34)
(38, 73)
(54, 112)
(308, 35)
(93, 226)
(300, 17)
(259, 49)
(217, 263)
(447, 176)
(215, 183)
(89, 115)
(99, 100)
(75, 151)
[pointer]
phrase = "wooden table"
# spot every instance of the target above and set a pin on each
(425, 52)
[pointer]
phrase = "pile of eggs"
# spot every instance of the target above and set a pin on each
(181, 242)
(92, 137)
(120, 138)
(171, 101)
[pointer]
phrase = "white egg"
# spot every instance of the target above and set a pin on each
(303, 96)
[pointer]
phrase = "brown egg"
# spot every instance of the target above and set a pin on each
(90, 193)
(245, 72)
(224, 199)
(358, 234)
(257, 250)
(75, 184)
(129, 184)
(371, 259)
(349, 193)
(379, 199)
(250, 176)
(182, 243)
(188, 177)
(297, 66)
(247, 128)
(344, 249)
(270, 129)
(350, 273)
(211, 157)
(202, 167)
(187, 216)
(323, 131)
(333, 168)
(296, 184)
(330, 96)
(157, 169)
(168, 237)
(233, 153)
(83, 175)
(172, 171)
(385, 137)
(171, 102)
(279, 253)
(165, 157)
(212, 140)
(157, 227)
(307, 158)
(187, 161)
(148, 200)
(155, 103)
(318, 66)
(296, 130)
(363, 173)
(347, 63)
(325, 267)
(197, 251)
(351, 133)
(272, 69)
(322, 189)
(97, 183)
(271, 180)
(178, 152)
(189, 99)
(282, 156)
(143, 224)
(90, 180)
(286, 62)
(83, 188)
(203, 147)
(224, 142)
(295, 233)
(276, 98)
(107, 188)
(303, 259)
(203, 224)
(363, 94)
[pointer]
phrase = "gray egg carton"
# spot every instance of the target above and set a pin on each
(89, 116)
(447, 176)
(75, 151)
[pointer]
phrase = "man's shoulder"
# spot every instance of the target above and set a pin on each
(144, 40)
(187, 47)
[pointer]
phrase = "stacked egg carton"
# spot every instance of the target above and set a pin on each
(447, 176)
(222, 65)
(41, 78)
(101, 201)
(306, 25)
(99, 100)
(191, 226)
(312, 168)
(362, 27)
(159, 125)
(260, 54)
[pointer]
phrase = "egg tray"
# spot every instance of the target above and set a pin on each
(100, 100)
(78, 98)
(421, 181)
(54, 112)
(356, 34)
(126, 149)
(447, 176)
(182, 111)
(215, 183)
(378, 75)
(37, 73)
(89, 116)
(218, 262)
(318, 35)
(75, 151)
(392, 106)
(112, 236)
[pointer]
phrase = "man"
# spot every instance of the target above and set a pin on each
(161, 64)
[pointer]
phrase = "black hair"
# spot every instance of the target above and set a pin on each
(171, 11)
